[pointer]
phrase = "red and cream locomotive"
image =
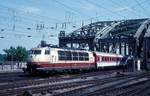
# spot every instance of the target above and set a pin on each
(57, 59)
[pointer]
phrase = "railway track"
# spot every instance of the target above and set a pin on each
(35, 81)
(91, 84)
(126, 88)
(97, 88)
(15, 87)
(14, 76)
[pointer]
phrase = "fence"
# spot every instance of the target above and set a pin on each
(11, 65)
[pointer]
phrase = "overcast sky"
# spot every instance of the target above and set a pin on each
(26, 22)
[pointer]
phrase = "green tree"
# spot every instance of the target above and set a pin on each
(16, 54)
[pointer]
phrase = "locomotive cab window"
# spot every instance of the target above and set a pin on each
(36, 52)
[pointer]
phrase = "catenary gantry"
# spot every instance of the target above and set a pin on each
(126, 37)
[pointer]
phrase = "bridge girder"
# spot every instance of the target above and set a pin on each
(100, 34)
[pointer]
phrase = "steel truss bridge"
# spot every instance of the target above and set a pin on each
(126, 37)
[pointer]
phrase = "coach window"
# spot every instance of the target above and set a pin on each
(117, 59)
(113, 58)
(47, 52)
(102, 58)
(108, 59)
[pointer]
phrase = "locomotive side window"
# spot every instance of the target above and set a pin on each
(47, 52)
(75, 55)
(61, 55)
(81, 56)
(68, 55)
(86, 56)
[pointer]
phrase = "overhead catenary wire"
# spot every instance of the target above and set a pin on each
(36, 17)
(131, 11)
(68, 7)
(25, 20)
(74, 10)
(144, 10)
(100, 6)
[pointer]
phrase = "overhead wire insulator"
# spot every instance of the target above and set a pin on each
(37, 27)
(62, 27)
(28, 28)
(14, 27)
(41, 27)
(82, 23)
(2, 37)
(65, 25)
(52, 27)
(56, 26)
(2, 29)
(29, 36)
(74, 26)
